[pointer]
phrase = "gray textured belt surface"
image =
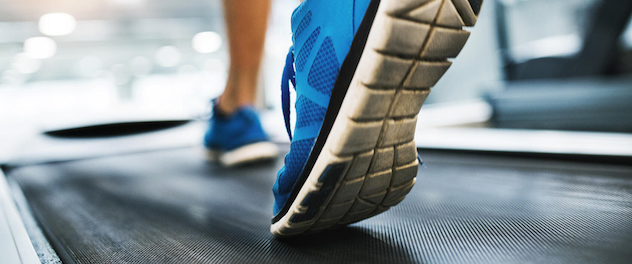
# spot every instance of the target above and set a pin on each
(172, 206)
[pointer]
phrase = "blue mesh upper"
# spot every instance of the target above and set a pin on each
(228, 132)
(308, 113)
(324, 71)
(303, 25)
(332, 23)
(297, 13)
(294, 162)
(306, 50)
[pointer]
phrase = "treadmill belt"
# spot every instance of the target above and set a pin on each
(171, 206)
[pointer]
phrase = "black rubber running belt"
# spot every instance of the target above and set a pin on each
(173, 207)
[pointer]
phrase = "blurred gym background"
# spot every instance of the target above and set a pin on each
(529, 64)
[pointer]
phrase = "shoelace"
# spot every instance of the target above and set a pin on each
(289, 75)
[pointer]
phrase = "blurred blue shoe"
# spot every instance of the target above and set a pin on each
(361, 70)
(238, 138)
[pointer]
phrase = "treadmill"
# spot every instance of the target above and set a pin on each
(86, 198)
(142, 192)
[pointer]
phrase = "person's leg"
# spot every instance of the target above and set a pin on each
(246, 21)
(235, 135)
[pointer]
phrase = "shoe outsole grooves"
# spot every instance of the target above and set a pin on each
(369, 161)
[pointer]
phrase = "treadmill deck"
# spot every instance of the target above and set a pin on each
(172, 206)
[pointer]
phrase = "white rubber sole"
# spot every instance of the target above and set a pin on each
(369, 161)
(247, 154)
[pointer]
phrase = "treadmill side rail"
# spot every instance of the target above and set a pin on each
(15, 244)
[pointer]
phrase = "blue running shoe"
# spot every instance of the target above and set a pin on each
(238, 138)
(361, 70)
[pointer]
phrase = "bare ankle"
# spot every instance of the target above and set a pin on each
(226, 106)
